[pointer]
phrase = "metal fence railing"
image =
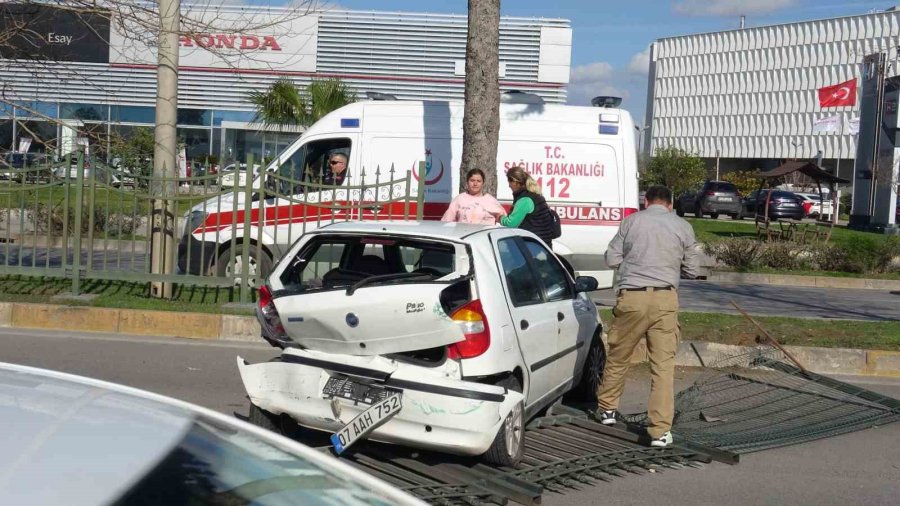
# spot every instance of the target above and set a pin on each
(78, 220)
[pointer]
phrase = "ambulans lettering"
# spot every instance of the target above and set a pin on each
(589, 214)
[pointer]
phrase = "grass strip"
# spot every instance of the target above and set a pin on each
(818, 332)
(121, 294)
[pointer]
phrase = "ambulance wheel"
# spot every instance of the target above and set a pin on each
(509, 443)
(259, 268)
(279, 424)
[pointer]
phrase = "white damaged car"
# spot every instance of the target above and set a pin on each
(435, 335)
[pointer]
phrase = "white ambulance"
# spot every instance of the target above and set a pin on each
(583, 157)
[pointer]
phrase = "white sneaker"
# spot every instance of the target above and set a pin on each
(607, 417)
(662, 441)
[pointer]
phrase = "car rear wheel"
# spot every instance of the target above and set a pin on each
(592, 374)
(509, 443)
(714, 216)
(737, 216)
(679, 211)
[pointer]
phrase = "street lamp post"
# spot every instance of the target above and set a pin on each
(640, 131)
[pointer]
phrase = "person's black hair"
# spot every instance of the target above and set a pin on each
(659, 194)
(472, 172)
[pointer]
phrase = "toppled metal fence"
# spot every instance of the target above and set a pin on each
(758, 400)
(562, 451)
(81, 220)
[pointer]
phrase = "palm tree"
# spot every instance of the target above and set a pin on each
(284, 103)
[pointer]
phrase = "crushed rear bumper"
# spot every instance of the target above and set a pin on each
(438, 412)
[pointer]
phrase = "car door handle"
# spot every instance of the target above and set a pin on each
(560, 317)
(523, 324)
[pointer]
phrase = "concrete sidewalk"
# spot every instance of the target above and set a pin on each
(226, 327)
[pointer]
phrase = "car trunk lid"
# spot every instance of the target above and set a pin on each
(370, 320)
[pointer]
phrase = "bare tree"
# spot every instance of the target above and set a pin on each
(481, 120)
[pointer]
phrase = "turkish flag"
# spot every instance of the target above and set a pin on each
(838, 95)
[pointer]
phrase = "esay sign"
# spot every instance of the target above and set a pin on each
(42, 32)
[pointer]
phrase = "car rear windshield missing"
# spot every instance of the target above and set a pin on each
(333, 262)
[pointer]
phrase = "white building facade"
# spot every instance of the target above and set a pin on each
(748, 97)
(100, 74)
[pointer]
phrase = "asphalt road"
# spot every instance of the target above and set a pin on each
(772, 300)
(857, 468)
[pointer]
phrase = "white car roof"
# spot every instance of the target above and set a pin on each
(437, 229)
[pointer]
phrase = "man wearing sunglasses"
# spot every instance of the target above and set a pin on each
(337, 165)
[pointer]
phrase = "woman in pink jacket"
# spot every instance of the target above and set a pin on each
(473, 206)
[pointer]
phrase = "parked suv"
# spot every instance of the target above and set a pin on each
(782, 204)
(443, 336)
(713, 198)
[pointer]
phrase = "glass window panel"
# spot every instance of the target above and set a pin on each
(32, 109)
(84, 112)
(197, 117)
(220, 116)
(132, 114)
(42, 134)
(550, 271)
(6, 110)
(523, 288)
(196, 143)
(6, 135)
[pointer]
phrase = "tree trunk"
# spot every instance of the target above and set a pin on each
(162, 240)
(481, 121)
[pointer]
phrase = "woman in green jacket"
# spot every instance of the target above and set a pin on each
(530, 211)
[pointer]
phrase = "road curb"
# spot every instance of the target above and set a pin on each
(753, 278)
(224, 327)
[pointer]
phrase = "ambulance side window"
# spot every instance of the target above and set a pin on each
(309, 164)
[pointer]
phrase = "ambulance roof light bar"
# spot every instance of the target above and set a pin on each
(606, 102)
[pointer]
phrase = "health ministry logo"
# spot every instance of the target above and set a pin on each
(429, 166)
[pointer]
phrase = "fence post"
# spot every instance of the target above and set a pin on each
(79, 205)
(420, 192)
(245, 244)
(406, 194)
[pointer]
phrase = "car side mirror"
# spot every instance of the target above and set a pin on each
(585, 284)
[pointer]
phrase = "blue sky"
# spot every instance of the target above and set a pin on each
(610, 38)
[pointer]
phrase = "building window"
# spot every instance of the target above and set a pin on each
(6, 135)
(194, 117)
(132, 114)
(85, 112)
(196, 142)
(242, 116)
(36, 110)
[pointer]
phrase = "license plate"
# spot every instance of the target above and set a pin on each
(366, 422)
(346, 388)
(790, 204)
(725, 199)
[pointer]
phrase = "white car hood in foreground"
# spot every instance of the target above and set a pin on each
(374, 320)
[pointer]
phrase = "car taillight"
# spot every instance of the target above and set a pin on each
(710, 194)
(475, 329)
(268, 314)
